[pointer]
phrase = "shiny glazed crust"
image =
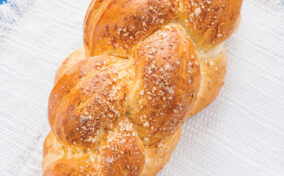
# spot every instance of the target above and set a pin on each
(118, 103)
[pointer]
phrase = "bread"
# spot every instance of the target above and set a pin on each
(119, 101)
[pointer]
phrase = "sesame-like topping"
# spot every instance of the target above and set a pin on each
(197, 12)
(138, 78)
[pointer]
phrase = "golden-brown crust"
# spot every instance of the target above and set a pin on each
(65, 160)
(210, 22)
(116, 26)
(122, 153)
(159, 154)
(68, 63)
(118, 103)
(79, 113)
(166, 83)
(213, 70)
(71, 167)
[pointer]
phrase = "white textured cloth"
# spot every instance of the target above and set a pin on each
(240, 134)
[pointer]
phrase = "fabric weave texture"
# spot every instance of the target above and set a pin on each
(241, 133)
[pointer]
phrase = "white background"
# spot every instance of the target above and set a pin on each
(241, 133)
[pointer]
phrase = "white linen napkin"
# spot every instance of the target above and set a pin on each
(241, 133)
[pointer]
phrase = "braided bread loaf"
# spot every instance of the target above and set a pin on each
(118, 103)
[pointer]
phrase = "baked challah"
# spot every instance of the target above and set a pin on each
(118, 103)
